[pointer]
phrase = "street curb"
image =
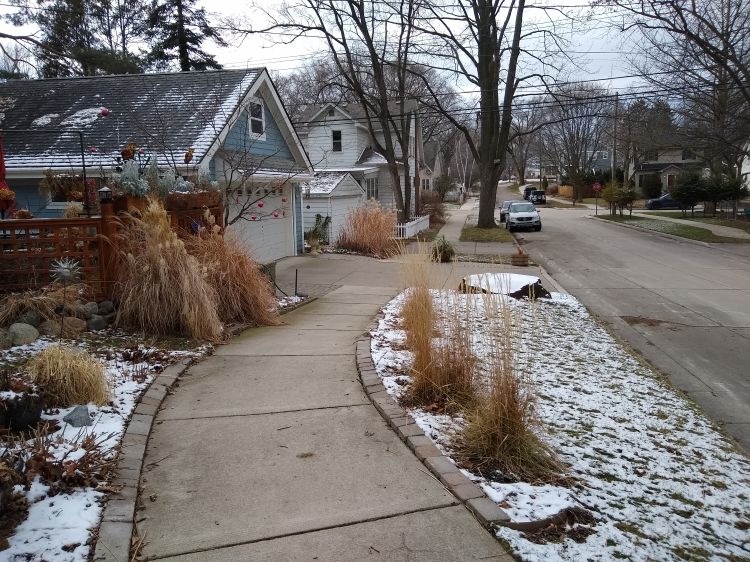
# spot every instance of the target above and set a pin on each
(116, 530)
(442, 467)
(662, 234)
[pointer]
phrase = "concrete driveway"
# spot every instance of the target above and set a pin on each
(685, 307)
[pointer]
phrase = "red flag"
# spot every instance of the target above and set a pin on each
(3, 183)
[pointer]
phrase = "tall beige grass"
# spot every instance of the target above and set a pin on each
(443, 364)
(43, 301)
(244, 293)
(161, 288)
(500, 431)
(369, 230)
(69, 376)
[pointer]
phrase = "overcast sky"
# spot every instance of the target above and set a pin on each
(596, 49)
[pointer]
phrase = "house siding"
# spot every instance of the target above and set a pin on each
(318, 144)
(272, 146)
(338, 208)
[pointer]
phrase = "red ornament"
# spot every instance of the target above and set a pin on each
(253, 217)
(260, 204)
(283, 213)
(275, 214)
(93, 149)
(104, 112)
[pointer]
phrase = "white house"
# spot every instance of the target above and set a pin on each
(333, 195)
(338, 140)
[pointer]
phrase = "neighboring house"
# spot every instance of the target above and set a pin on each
(232, 121)
(434, 160)
(333, 195)
(337, 139)
(600, 161)
(663, 166)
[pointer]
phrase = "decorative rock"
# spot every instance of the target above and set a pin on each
(6, 340)
(31, 317)
(72, 326)
(106, 307)
(79, 417)
(89, 309)
(23, 334)
(97, 322)
(511, 284)
(110, 318)
(21, 411)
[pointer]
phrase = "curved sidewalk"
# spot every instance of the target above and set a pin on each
(270, 450)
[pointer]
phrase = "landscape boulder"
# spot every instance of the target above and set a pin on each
(106, 307)
(97, 322)
(22, 334)
(511, 284)
(89, 309)
(31, 317)
(72, 326)
(78, 417)
(6, 340)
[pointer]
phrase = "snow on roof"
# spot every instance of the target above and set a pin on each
(322, 183)
(374, 158)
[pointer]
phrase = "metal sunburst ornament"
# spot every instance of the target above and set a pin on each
(65, 270)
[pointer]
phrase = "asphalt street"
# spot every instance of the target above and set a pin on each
(684, 307)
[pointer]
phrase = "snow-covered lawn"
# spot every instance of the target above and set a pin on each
(661, 482)
(60, 519)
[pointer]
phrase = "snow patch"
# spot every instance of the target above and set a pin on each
(82, 117)
(44, 120)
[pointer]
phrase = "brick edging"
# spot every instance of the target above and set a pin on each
(115, 534)
(467, 492)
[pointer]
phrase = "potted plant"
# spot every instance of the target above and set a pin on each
(130, 188)
(7, 200)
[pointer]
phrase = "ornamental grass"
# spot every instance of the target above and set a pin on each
(244, 293)
(369, 230)
(161, 288)
(68, 377)
(501, 427)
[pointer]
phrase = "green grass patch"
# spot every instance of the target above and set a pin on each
(675, 229)
(475, 234)
(739, 224)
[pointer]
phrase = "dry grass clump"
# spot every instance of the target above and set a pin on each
(69, 376)
(161, 288)
(500, 428)
(369, 230)
(72, 210)
(244, 293)
(433, 205)
(441, 373)
(43, 301)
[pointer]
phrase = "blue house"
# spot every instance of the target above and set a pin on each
(229, 125)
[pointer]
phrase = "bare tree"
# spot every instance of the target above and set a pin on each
(575, 128)
(717, 29)
(526, 121)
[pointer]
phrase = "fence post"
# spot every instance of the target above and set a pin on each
(108, 248)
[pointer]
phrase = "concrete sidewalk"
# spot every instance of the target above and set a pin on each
(270, 450)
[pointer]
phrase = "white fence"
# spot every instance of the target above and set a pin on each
(413, 227)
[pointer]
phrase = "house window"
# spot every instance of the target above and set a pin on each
(688, 154)
(336, 141)
(330, 112)
(372, 188)
(257, 119)
(425, 184)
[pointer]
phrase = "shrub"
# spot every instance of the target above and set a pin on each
(161, 288)
(369, 230)
(244, 293)
(500, 429)
(68, 376)
(319, 232)
(432, 204)
(545, 183)
(44, 302)
(442, 250)
(651, 186)
(72, 210)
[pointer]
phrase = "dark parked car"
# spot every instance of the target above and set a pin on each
(538, 197)
(527, 192)
(504, 209)
(663, 202)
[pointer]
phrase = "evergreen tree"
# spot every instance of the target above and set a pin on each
(176, 32)
(82, 37)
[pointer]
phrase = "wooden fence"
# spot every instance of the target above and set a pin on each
(28, 247)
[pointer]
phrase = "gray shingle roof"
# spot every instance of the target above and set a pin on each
(164, 113)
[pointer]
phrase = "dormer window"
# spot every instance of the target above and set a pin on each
(257, 118)
(336, 141)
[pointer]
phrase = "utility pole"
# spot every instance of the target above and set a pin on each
(614, 138)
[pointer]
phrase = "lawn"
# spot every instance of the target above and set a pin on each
(475, 234)
(637, 204)
(741, 224)
(656, 477)
(681, 230)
